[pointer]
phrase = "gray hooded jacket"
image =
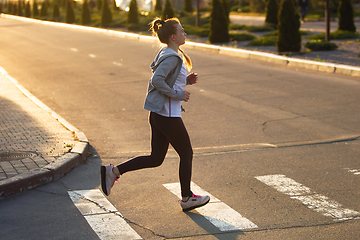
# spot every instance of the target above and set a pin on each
(165, 68)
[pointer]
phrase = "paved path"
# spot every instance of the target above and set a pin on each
(31, 138)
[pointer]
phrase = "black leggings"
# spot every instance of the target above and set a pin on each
(165, 130)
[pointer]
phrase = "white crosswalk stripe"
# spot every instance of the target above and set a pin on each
(309, 198)
(218, 213)
(102, 216)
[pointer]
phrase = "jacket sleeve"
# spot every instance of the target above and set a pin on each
(166, 67)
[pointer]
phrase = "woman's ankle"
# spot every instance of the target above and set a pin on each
(116, 171)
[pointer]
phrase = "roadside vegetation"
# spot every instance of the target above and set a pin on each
(280, 28)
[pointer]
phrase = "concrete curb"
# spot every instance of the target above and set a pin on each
(227, 51)
(52, 171)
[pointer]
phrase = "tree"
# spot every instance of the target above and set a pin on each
(35, 9)
(99, 4)
(106, 16)
(168, 10)
(257, 6)
(44, 9)
(9, 8)
(272, 12)
(133, 15)
(158, 6)
(85, 13)
(20, 11)
(14, 9)
(346, 17)
(226, 10)
(289, 38)
(27, 9)
(116, 8)
(70, 14)
(219, 27)
(187, 6)
(56, 11)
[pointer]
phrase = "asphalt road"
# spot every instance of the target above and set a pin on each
(247, 120)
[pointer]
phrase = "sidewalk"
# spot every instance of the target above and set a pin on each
(35, 146)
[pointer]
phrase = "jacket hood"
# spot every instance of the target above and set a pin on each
(163, 54)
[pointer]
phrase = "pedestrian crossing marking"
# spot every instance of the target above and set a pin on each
(218, 213)
(353, 171)
(309, 198)
(102, 216)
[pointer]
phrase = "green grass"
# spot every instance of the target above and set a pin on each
(241, 36)
(337, 35)
(319, 45)
(263, 41)
(253, 28)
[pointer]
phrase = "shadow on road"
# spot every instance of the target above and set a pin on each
(204, 223)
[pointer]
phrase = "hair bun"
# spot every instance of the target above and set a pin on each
(157, 24)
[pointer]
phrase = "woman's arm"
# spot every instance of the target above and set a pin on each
(166, 67)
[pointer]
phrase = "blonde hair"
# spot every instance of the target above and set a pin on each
(164, 30)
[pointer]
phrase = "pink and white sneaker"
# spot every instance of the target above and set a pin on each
(194, 201)
(108, 178)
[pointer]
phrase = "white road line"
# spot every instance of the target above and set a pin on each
(92, 55)
(218, 213)
(117, 64)
(353, 171)
(73, 49)
(309, 198)
(101, 215)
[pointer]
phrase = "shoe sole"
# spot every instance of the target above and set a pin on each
(193, 207)
(103, 179)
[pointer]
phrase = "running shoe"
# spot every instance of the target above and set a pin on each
(194, 201)
(108, 178)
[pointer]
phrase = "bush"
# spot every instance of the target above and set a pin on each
(70, 14)
(85, 13)
(116, 8)
(44, 9)
(14, 9)
(158, 6)
(27, 9)
(197, 31)
(346, 17)
(19, 12)
(241, 37)
(133, 15)
(188, 6)
(35, 9)
(271, 12)
(339, 35)
(263, 41)
(257, 6)
(219, 27)
(289, 38)
(99, 4)
(106, 16)
(226, 10)
(168, 10)
(56, 11)
(253, 28)
(320, 46)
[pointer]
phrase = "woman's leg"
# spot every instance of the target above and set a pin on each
(176, 133)
(159, 147)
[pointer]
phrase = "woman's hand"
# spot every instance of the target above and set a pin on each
(192, 78)
(186, 96)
